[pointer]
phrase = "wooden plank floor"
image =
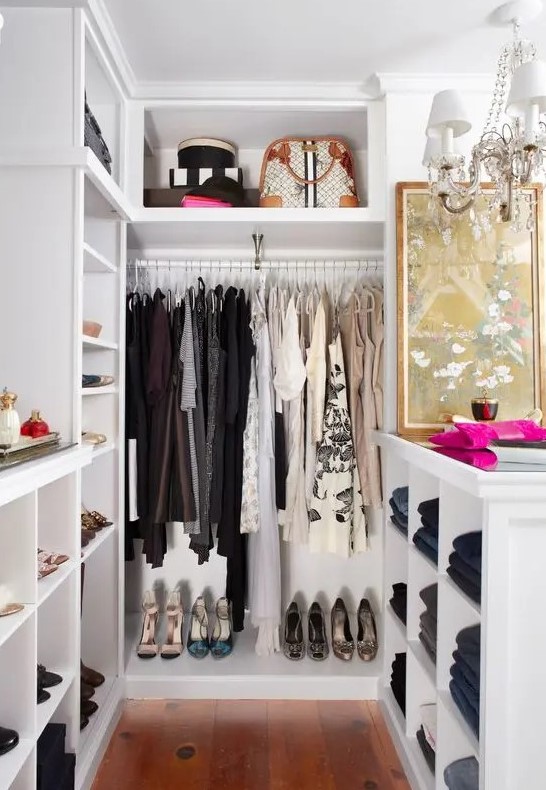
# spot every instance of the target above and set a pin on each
(250, 745)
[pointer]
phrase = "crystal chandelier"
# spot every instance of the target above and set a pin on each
(508, 154)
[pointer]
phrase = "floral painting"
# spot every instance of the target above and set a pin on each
(468, 309)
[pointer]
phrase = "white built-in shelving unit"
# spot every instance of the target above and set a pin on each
(508, 507)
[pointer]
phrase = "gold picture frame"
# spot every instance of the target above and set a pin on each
(470, 308)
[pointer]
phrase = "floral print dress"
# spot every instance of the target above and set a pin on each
(337, 523)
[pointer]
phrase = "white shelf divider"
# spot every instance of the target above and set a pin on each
(99, 540)
(90, 343)
(53, 581)
(92, 392)
(10, 624)
(94, 262)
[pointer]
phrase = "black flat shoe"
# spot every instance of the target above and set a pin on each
(342, 639)
(84, 721)
(294, 648)
(88, 707)
(367, 644)
(8, 740)
(317, 649)
(48, 679)
(43, 696)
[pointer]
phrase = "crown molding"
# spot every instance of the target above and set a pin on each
(384, 83)
(99, 14)
(257, 92)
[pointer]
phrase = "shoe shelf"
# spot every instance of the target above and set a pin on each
(95, 262)
(100, 539)
(243, 674)
(108, 698)
(103, 449)
(12, 763)
(46, 710)
(90, 343)
(9, 625)
(93, 392)
(49, 584)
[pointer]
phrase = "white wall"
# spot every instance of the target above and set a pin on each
(406, 120)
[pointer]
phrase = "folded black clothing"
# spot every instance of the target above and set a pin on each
(430, 509)
(429, 536)
(400, 697)
(403, 528)
(400, 589)
(473, 678)
(400, 607)
(429, 596)
(425, 549)
(428, 752)
(469, 714)
(429, 625)
(468, 642)
(473, 592)
(431, 650)
(472, 692)
(400, 516)
(432, 526)
(466, 570)
(401, 496)
(469, 548)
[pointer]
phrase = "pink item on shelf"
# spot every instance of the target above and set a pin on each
(196, 201)
(476, 436)
(480, 459)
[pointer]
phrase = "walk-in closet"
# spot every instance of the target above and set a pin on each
(271, 395)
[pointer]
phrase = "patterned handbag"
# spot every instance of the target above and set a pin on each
(302, 173)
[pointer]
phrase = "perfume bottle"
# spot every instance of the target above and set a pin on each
(35, 426)
(10, 425)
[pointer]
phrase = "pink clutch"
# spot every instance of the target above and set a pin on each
(480, 459)
(195, 201)
(475, 436)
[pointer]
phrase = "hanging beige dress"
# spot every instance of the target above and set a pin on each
(372, 488)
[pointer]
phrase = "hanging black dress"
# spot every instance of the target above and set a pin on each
(159, 374)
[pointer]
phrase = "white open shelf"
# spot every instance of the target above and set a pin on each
(455, 590)
(351, 231)
(103, 449)
(10, 624)
(446, 700)
(423, 659)
(111, 389)
(12, 762)
(99, 720)
(99, 540)
(94, 262)
(46, 710)
(243, 674)
(49, 584)
(90, 343)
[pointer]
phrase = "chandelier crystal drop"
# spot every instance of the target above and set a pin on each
(510, 152)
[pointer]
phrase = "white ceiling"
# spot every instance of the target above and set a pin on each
(307, 40)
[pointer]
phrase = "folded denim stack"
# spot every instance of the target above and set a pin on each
(465, 564)
(428, 633)
(399, 508)
(463, 774)
(465, 674)
(398, 680)
(426, 537)
(426, 734)
(399, 600)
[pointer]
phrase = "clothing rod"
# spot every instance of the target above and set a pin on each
(375, 264)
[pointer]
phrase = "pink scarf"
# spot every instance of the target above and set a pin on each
(477, 436)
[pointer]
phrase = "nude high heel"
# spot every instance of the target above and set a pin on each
(147, 647)
(173, 646)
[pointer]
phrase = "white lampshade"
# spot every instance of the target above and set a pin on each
(528, 87)
(448, 112)
(433, 149)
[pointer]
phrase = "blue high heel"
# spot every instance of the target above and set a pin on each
(198, 638)
(221, 642)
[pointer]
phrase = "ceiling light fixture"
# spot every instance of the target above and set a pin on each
(511, 153)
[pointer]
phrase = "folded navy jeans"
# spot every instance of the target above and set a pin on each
(463, 774)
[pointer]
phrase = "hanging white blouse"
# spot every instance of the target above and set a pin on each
(264, 564)
(250, 506)
(289, 381)
(337, 520)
